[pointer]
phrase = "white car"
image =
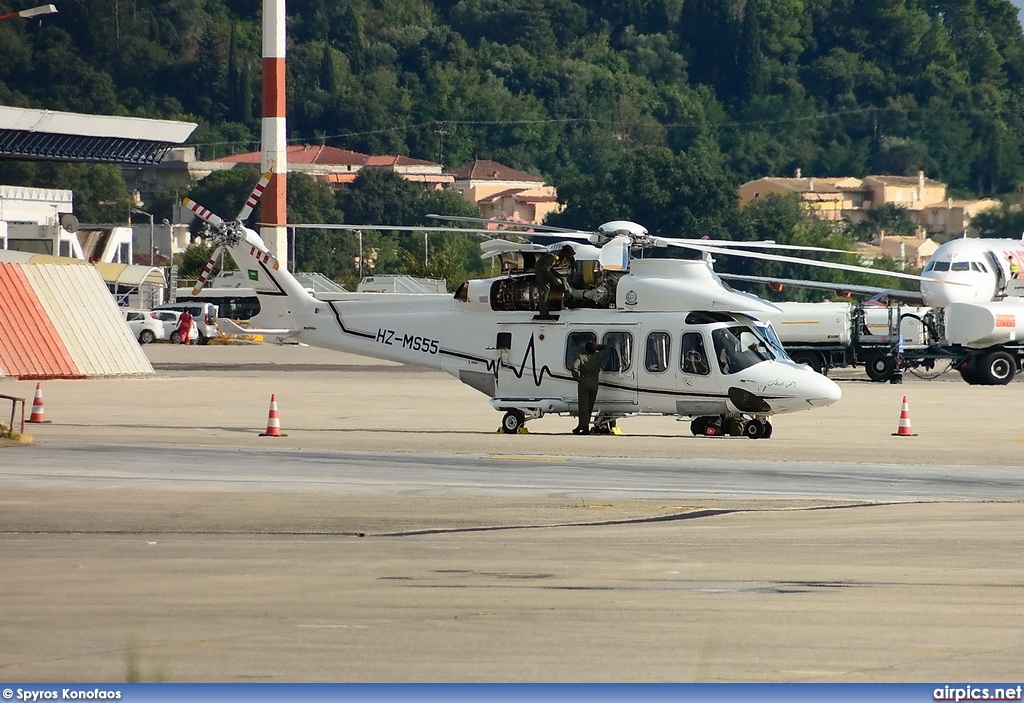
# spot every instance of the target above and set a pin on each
(144, 324)
(204, 317)
(171, 319)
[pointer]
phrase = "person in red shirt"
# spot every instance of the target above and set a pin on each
(185, 326)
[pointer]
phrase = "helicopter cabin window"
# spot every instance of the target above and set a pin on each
(659, 344)
(738, 348)
(574, 344)
(694, 358)
(622, 344)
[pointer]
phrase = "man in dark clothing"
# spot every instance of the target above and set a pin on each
(586, 369)
(548, 278)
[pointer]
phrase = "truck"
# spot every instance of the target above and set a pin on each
(838, 335)
(980, 340)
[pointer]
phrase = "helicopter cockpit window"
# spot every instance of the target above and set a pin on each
(738, 348)
(574, 344)
(659, 344)
(694, 358)
(622, 344)
(775, 346)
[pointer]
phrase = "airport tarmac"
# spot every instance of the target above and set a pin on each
(182, 581)
(220, 396)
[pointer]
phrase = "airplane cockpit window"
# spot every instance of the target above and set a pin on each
(960, 266)
(738, 348)
(659, 345)
(622, 344)
(937, 266)
(693, 358)
(979, 267)
(574, 344)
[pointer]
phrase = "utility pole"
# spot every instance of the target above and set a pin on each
(440, 132)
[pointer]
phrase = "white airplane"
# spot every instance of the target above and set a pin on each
(686, 345)
(980, 266)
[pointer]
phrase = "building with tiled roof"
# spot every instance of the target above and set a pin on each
(306, 157)
(505, 193)
(339, 167)
(853, 198)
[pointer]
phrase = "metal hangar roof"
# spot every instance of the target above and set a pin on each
(67, 136)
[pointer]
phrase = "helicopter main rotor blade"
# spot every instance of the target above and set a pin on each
(729, 244)
(398, 228)
(549, 228)
(810, 262)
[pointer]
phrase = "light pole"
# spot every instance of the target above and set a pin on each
(152, 253)
(31, 12)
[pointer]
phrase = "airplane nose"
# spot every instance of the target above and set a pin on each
(937, 294)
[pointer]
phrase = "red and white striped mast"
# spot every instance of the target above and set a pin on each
(275, 155)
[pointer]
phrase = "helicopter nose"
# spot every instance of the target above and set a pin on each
(822, 391)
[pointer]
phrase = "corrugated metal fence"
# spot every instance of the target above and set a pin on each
(61, 322)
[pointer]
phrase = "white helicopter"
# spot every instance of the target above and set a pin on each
(685, 344)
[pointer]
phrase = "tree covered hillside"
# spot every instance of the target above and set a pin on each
(608, 99)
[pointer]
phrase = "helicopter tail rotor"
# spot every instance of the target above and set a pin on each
(228, 233)
(202, 213)
(207, 270)
(254, 197)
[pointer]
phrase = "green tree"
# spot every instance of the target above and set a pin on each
(889, 219)
(192, 261)
(679, 195)
(1000, 223)
(224, 193)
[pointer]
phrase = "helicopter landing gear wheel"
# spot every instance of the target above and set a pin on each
(604, 427)
(757, 429)
(513, 421)
(708, 426)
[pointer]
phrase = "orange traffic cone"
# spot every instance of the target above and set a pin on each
(38, 413)
(904, 429)
(273, 421)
